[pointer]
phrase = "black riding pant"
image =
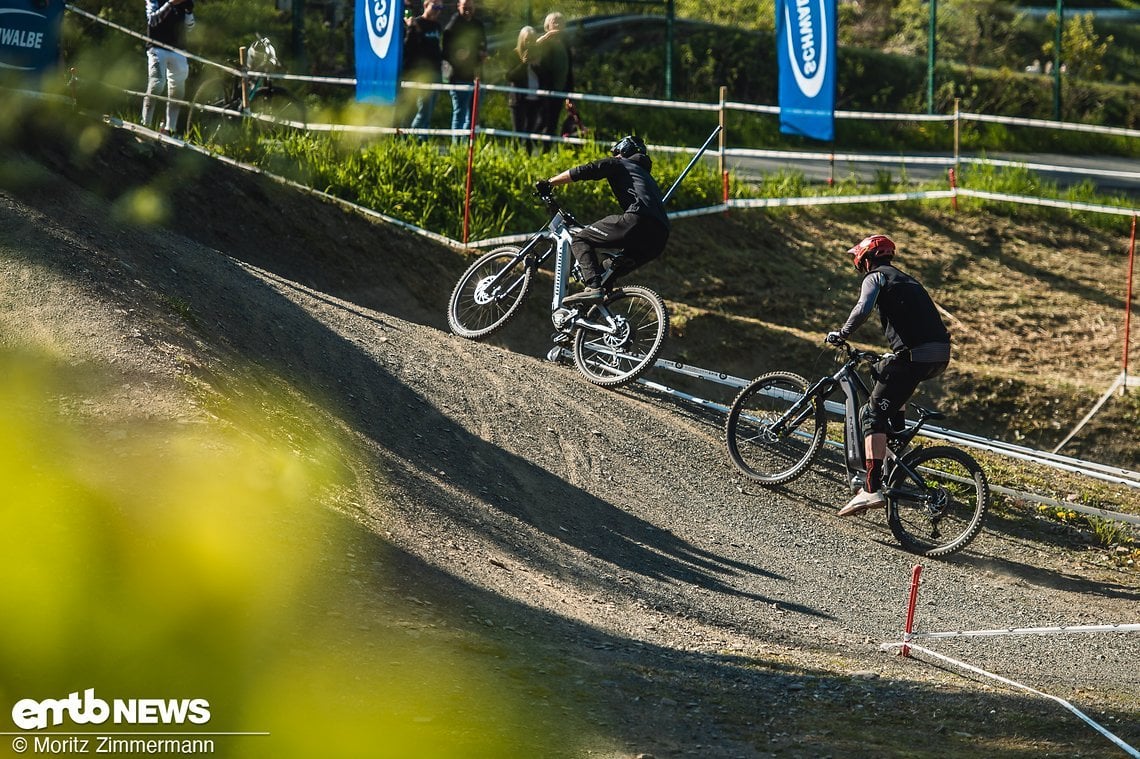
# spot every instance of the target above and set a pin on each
(641, 238)
(895, 381)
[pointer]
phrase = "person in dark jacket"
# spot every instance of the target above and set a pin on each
(524, 107)
(167, 22)
(464, 50)
(423, 60)
(918, 339)
(640, 230)
(555, 72)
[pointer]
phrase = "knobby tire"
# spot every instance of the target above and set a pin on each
(944, 514)
(618, 359)
(766, 456)
(216, 92)
(477, 308)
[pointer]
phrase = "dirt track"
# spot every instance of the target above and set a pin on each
(602, 536)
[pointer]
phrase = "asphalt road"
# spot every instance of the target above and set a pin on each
(1110, 174)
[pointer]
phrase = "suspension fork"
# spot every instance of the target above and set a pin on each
(522, 255)
(799, 411)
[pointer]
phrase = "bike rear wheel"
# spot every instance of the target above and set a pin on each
(765, 454)
(640, 321)
(942, 512)
(490, 293)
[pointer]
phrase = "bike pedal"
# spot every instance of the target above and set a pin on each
(560, 338)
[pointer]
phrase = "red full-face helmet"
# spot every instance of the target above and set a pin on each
(873, 248)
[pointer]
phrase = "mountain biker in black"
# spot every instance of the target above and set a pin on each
(921, 346)
(641, 230)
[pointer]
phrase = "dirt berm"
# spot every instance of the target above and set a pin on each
(587, 558)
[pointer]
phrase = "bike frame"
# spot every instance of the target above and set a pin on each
(557, 231)
(856, 393)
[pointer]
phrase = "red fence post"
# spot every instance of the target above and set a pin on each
(470, 160)
(1128, 305)
(914, 575)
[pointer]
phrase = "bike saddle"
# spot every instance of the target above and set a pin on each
(927, 413)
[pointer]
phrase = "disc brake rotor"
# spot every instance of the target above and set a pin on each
(483, 294)
(621, 336)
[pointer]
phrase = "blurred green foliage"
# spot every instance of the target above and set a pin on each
(200, 560)
(984, 47)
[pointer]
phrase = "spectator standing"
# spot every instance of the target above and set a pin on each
(464, 50)
(167, 22)
(555, 72)
(423, 60)
(524, 75)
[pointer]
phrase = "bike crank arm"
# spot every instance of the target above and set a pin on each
(609, 369)
(589, 326)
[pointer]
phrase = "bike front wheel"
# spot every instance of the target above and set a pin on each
(936, 500)
(206, 124)
(773, 430)
(490, 293)
(279, 108)
(639, 322)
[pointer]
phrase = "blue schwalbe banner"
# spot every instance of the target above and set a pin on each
(29, 34)
(806, 55)
(379, 32)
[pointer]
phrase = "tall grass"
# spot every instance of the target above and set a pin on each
(424, 183)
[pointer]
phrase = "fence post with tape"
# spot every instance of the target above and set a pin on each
(908, 629)
(470, 161)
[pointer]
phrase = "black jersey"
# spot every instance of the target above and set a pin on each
(908, 315)
(634, 187)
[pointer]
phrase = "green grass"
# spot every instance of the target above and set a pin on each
(424, 183)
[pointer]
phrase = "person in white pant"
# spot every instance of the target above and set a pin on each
(167, 22)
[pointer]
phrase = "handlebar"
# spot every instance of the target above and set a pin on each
(552, 205)
(856, 355)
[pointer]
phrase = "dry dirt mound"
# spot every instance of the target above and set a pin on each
(594, 544)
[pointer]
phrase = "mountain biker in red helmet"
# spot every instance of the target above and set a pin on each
(918, 339)
(641, 230)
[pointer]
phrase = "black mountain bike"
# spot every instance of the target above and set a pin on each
(613, 341)
(217, 101)
(937, 496)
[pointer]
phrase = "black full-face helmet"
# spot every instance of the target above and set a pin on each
(628, 146)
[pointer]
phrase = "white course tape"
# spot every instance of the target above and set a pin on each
(977, 670)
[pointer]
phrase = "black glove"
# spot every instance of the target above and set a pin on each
(834, 338)
(543, 187)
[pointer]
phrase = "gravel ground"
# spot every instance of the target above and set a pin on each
(602, 535)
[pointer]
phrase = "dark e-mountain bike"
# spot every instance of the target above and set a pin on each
(613, 341)
(218, 100)
(937, 496)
